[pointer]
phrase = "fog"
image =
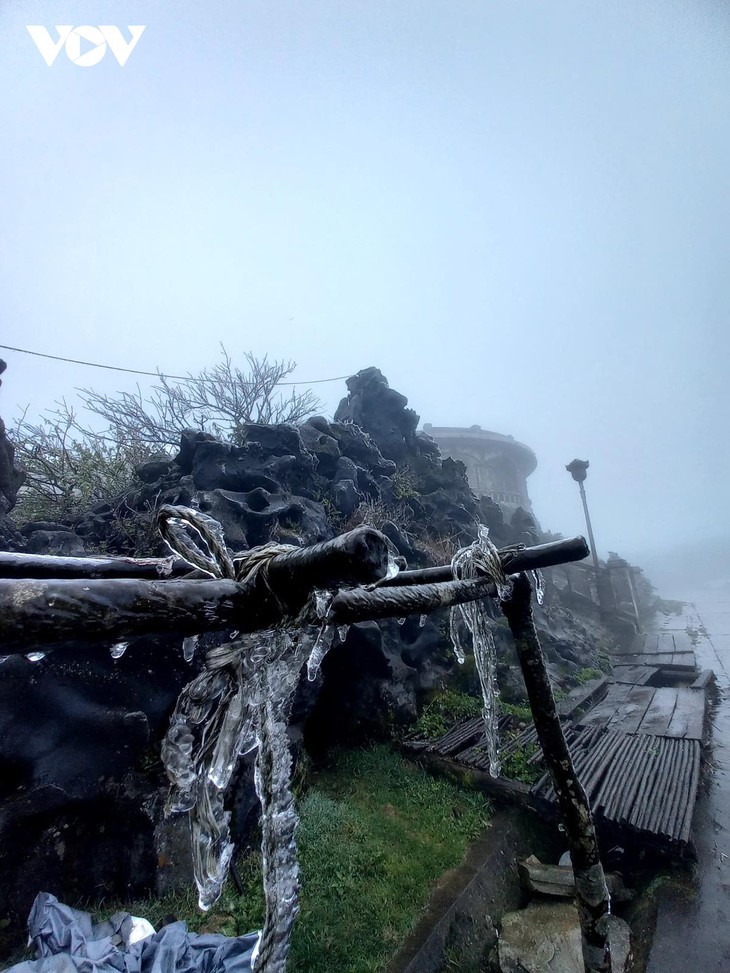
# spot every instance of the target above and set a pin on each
(519, 211)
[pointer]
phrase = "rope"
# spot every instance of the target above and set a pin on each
(176, 525)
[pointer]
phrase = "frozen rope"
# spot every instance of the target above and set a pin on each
(183, 529)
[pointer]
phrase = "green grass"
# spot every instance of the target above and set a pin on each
(376, 833)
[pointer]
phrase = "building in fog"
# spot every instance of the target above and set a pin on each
(497, 465)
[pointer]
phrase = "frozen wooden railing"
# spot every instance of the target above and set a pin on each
(51, 604)
(54, 600)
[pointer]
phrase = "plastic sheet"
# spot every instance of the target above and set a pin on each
(66, 941)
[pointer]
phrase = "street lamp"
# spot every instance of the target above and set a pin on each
(578, 469)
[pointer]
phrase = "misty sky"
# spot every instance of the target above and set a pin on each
(519, 211)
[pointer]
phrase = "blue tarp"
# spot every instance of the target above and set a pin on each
(66, 941)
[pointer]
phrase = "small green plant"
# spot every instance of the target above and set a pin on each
(516, 765)
(520, 711)
(444, 709)
(585, 675)
(402, 483)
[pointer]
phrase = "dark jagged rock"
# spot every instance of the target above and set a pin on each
(346, 497)
(523, 523)
(365, 683)
(380, 411)
(64, 543)
(155, 469)
(256, 517)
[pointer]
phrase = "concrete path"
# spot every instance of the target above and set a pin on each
(693, 928)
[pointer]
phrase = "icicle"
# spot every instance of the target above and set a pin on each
(342, 631)
(539, 586)
(478, 560)
(456, 640)
(189, 646)
(212, 849)
(322, 645)
(279, 820)
(325, 636)
(235, 735)
(392, 569)
(118, 649)
(35, 656)
(241, 701)
(177, 756)
(422, 621)
(322, 602)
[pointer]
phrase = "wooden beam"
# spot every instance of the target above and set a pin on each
(513, 561)
(48, 611)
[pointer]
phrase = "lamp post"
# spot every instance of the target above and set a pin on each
(578, 469)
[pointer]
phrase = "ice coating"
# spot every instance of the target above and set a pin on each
(422, 621)
(539, 586)
(35, 656)
(198, 539)
(325, 637)
(322, 603)
(485, 658)
(240, 702)
(392, 570)
(272, 778)
(479, 559)
(456, 640)
(322, 645)
(190, 644)
(118, 649)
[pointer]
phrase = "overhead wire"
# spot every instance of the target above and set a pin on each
(157, 374)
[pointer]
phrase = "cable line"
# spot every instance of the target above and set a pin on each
(136, 371)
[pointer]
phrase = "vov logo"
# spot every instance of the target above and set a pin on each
(71, 39)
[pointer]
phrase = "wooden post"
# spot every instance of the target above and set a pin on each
(590, 881)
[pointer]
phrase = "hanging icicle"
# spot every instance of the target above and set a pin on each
(478, 560)
(241, 702)
(325, 636)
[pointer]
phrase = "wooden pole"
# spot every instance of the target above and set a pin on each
(513, 560)
(361, 605)
(50, 566)
(590, 881)
(59, 610)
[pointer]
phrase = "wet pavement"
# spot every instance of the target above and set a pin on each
(693, 925)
